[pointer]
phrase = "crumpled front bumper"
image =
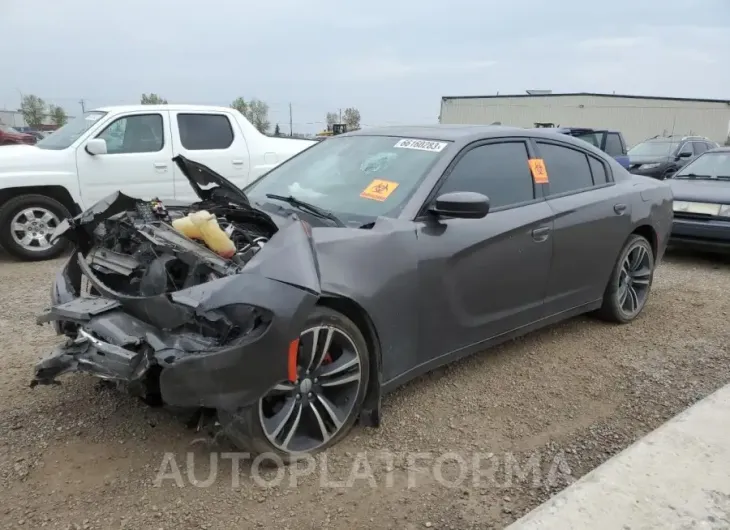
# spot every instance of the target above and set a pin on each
(123, 338)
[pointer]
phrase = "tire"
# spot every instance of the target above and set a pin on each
(245, 428)
(38, 204)
(633, 273)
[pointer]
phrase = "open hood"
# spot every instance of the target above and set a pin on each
(201, 175)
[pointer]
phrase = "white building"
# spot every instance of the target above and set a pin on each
(637, 117)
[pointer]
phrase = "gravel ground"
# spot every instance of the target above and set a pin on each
(538, 413)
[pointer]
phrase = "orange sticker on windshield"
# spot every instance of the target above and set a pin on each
(538, 170)
(379, 190)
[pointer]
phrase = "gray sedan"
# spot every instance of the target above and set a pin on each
(702, 202)
(352, 268)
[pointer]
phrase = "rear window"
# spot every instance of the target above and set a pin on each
(200, 132)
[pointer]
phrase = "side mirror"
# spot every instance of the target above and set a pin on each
(685, 154)
(461, 204)
(96, 146)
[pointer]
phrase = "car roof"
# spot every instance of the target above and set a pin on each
(721, 149)
(564, 129)
(462, 134)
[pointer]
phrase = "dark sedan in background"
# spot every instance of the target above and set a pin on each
(702, 202)
(661, 156)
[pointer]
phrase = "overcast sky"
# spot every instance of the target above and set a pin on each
(392, 59)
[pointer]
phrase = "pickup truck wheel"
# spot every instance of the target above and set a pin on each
(26, 225)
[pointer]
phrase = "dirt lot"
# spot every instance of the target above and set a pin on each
(566, 398)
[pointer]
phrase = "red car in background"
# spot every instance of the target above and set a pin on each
(9, 136)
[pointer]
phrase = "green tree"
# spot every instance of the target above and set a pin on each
(33, 109)
(240, 105)
(351, 117)
(258, 115)
(58, 115)
(277, 131)
(152, 99)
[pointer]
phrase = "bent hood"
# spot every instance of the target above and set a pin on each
(201, 175)
(716, 191)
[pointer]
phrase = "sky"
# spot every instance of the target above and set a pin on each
(393, 60)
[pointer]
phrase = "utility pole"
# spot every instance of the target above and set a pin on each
(291, 124)
(83, 106)
(340, 115)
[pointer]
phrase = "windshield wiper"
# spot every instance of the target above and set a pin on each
(311, 208)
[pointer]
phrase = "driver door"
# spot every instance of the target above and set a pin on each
(484, 277)
(138, 161)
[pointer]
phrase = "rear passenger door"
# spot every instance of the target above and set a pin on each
(592, 221)
(213, 139)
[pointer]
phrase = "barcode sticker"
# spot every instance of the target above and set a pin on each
(421, 145)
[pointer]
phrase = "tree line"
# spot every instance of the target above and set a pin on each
(257, 112)
(35, 111)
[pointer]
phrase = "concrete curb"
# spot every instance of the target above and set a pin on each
(677, 476)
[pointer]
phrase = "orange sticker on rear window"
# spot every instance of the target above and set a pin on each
(379, 190)
(538, 170)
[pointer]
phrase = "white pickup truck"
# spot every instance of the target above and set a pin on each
(126, 148)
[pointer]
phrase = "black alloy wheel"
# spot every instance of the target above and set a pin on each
(319, 408)
(630, 284)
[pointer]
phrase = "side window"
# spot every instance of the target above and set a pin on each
(699, 147)
(614, 146)
(204, 131)
(598, 170)
(141, 133)
(500, 171)
(568, 169)
(685, 148)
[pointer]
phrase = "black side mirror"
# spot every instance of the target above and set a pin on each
(461, 204)
(684, 154)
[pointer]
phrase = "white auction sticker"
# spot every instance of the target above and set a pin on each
(421, 145)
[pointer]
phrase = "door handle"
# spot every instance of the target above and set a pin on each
(237, 162)
(541, 234)
(619, 208)
(160, 165)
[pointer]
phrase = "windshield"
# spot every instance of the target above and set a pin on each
(6, 129)
(707, 165)
(653, 148)
(69, 133)
(358, 178)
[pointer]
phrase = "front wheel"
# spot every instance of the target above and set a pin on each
(630, 283)
(27, 223)
(321, 407)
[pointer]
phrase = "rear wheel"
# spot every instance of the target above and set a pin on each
(26, 225)
(630, 283)
(321, 407)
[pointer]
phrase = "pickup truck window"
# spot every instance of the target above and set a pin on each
(140, 133)
(69, 133)
(614, 146)
(204, 131)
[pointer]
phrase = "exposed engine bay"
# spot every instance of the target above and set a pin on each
(139, 252)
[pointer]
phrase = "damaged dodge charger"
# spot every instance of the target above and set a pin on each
(283, 312)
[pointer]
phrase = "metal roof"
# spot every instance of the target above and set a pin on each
(590, 94)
